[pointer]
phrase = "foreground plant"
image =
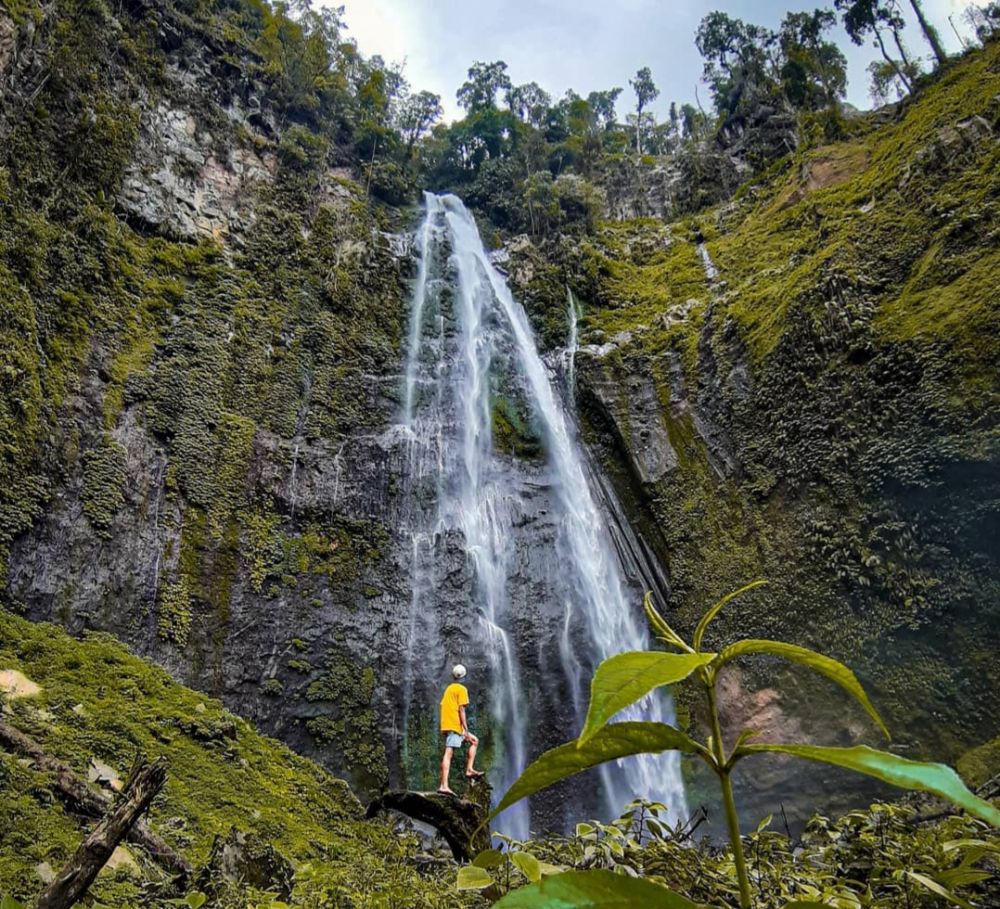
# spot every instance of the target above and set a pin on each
(622, 680)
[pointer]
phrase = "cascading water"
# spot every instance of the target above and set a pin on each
(535, 578)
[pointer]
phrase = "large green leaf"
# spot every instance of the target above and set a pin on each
(528, 865)
(623, 679)
(593, 890)
(836, 672)
(615, 741)
(706, 619)
(937, 779)
(471, 877)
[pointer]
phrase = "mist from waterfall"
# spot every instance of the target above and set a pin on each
(468, 342)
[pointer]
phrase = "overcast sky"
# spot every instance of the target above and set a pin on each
(582, 44)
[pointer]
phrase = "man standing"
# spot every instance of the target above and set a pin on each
(455, 729)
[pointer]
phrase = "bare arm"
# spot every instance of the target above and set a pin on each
(461, 717)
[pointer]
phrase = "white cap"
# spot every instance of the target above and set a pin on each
(458, 671)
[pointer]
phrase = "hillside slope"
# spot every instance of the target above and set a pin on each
(98, 703)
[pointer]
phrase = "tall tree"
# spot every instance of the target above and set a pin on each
(645, 93)
(930, 32)
(985, 20)
(862, 18)
(814, 72)
(417, 114)
(485, 82)
(741, 64)
(603, 106)
(530, 103)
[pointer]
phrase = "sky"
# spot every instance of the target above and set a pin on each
(585, 45)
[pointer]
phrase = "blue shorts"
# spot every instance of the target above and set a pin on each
(454, 740)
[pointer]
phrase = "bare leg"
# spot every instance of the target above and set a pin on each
(445, 768)
(471, 757)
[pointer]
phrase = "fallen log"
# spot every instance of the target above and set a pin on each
(70, 884)
(461, 821)
(81, 799)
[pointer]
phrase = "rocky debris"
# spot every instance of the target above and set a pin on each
(826, 168)
(22, 63)
(100, 773)
(15, 684)
(122, 859)
(247, 859)
(953, 147)
(46, 873)
(755, 139)
(637, 190)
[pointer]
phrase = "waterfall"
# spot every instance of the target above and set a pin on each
(519, 605)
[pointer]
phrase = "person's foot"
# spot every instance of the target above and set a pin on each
(444, 790)
(474, 774)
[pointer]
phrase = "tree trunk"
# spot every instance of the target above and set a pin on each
(72, 882)
(81, 799)
(461, 821)
(893, 63)
(930, 32)
(902, 50)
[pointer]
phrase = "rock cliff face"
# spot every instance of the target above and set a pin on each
(199, 363)
(201, 352)
(802, 385)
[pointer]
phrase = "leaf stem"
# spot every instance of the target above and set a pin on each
(724, 772)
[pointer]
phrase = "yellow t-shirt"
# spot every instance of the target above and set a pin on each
(455, 696)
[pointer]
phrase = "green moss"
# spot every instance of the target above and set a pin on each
(980, 765)
(173, 622)
(512, 431)
(103, 482)
(220, 773)
(905, 218)
(346, 691)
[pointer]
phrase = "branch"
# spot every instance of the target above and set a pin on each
(81, 799)
(72, 882)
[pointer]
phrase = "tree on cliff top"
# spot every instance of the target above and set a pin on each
(646, 93)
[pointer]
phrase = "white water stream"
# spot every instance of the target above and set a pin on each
(465, 330)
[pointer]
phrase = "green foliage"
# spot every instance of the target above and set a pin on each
(499, 871)
(626, 678)
(936, 779)
(866, 858)
(611, 743)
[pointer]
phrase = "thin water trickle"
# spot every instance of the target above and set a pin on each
(488, 341)
(573, 317)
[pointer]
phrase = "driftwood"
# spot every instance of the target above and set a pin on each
(70, 884)
(461, 821)
(81, 799)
